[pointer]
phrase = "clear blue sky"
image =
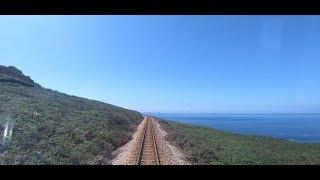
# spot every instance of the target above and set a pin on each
(172, 63)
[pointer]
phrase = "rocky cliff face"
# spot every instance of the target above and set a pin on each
(11, 74)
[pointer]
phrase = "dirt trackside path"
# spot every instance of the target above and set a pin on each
(148, 147)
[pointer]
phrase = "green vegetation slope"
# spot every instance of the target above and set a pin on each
(204, 145)
(50, 127)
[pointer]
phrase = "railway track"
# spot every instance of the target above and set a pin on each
(149, 149)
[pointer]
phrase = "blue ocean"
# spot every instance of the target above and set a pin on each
(294, 127)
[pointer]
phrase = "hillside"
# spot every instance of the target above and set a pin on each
(42, 126)
(204, 145)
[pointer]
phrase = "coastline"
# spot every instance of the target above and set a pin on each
(303, 128)
(205, 145)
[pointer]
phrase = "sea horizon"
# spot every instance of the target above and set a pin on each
(230, 113)
(300, 127)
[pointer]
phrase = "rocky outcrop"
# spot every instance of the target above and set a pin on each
(11, 74)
